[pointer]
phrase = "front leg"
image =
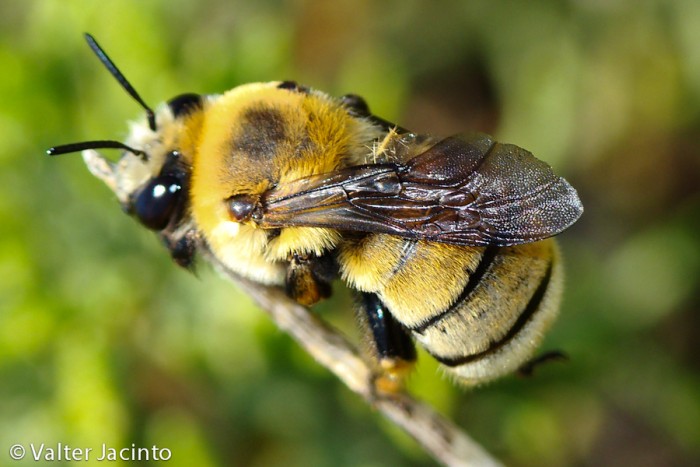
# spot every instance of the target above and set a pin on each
(309, 277)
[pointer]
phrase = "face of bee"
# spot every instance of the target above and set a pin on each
(152, 177)
(447, 239)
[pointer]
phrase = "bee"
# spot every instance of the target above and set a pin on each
(445, 241)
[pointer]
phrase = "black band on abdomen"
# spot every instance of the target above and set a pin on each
(528, 312)
(475, 278)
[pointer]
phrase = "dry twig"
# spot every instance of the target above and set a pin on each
(439, 436)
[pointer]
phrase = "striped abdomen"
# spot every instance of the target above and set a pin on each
(481, 312)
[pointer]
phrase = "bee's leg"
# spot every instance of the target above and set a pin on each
(390, 342)
(182, 246)
(528, 368)
(309, 277)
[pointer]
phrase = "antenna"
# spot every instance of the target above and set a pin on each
(100, 144)
(114, 71)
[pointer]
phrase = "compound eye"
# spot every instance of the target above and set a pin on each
(158, 201)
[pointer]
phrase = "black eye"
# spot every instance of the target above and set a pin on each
(158, 201)
(184, 104)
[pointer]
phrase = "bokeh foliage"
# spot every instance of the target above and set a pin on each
(103, 340)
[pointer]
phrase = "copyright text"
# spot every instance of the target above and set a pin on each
(65, 452)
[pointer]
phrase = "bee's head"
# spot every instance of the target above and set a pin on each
(151, 178)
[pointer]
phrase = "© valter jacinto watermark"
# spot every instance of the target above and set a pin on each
(64, 452)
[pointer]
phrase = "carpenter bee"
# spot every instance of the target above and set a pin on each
(445, 240)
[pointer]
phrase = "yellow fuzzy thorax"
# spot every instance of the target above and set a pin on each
(255, 137)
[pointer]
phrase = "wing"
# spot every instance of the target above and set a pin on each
(465, 190)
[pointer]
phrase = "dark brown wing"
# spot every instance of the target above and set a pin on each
(466, 190)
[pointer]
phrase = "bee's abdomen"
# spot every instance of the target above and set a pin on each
(479, 311)
(500, 317)
(503, 328)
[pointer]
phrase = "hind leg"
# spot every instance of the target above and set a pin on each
(389, 342)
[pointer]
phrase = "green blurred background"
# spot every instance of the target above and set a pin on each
(104, 340)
